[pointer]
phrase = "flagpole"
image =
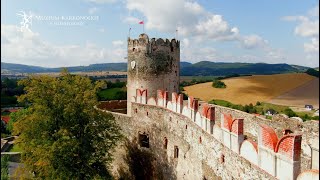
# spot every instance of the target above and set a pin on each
(176, 34)
(129, 32)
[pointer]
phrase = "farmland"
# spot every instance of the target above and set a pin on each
(250, 89)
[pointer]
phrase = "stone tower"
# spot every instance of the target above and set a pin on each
(152, 64)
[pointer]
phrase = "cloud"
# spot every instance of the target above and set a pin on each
(189, 18)
(25, 46)
(253, 41)
(308, 26)
(131, 20)
(93, 10)
(313, 46)
(102, 1)
(117, 43)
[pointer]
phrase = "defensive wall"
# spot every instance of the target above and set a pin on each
(214, 142)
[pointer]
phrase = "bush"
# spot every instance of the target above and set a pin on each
(290, 113)
(218, 84)
(258, 103)
(4, 167)
(313, 72)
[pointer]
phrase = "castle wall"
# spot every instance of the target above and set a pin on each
(211, 140)
(308, 129)
(196, 159)
(152, 64)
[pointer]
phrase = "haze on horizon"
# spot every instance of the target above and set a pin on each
(251, 31)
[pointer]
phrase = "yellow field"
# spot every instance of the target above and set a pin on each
(250, 89)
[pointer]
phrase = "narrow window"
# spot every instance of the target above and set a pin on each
(176, 151)
(171, 48)
(200, 140)
(133, 49)
(165, 143)
(136, 110)
(170, 118)
(186, 126)
(221, 158)
(147, 113)
(144, 140)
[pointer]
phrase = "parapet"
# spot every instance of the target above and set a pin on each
(144, 40)
(279, 157)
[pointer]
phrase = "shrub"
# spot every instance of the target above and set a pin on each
(218, 84)
(290, 113)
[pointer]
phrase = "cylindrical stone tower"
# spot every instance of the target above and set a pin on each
(152, 64)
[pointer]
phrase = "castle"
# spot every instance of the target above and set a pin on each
(194, 140)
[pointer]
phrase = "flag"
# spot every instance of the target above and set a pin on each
(141, 22)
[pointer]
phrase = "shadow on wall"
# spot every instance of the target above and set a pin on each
(143, 164)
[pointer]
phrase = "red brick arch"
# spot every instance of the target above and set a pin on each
(269, 137)
(227, 121)
(237, 126)
(208, 111)
(289, 145)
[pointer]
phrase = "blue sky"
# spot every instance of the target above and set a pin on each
(269, 31)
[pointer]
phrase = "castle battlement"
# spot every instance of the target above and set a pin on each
(144, 40)
(278, 156)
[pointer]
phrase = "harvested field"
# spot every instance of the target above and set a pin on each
(246, 90)
(306, 94)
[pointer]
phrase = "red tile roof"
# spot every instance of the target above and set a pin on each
(6, 119)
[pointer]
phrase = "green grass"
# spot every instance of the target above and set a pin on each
(266, 106)
(198, 78)
(15, 148)
(112, 94)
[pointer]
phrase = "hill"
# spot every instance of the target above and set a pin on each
(19, 68)
(203, 68)
(207, 68)
(250, 89)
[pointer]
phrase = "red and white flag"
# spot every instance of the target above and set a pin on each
(141, 22)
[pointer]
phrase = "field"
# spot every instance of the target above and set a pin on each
(305, 94)
(250, 89)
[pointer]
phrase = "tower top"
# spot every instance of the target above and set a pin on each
(144, 39)
(143, 36)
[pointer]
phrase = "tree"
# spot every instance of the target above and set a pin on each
(63, 135)
(290, 113)
(218, 84)
(14, 118)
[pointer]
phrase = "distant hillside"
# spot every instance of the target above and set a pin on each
(203, 68)
(207, 68)
(19, 68)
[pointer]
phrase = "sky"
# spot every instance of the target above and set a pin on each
(64, 33)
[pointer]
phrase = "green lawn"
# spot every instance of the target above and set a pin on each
(112, 94)
(15, 148)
